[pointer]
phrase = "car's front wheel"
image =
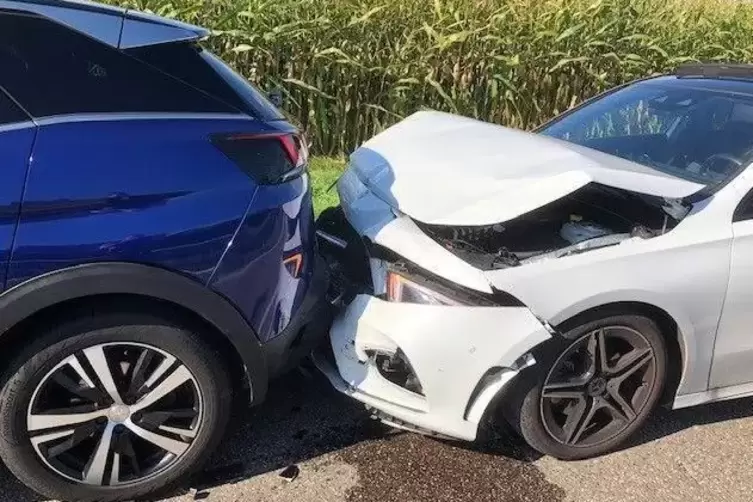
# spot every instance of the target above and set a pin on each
(592, 388)
(111, 407)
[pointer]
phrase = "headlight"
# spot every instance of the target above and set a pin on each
(401, 289)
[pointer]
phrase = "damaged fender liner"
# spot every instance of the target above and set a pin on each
(592, 217)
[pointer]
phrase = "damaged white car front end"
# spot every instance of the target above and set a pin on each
(462, 246)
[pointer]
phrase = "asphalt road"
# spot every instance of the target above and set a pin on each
(698, 454)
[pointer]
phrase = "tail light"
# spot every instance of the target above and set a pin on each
(294, 264)
(269, 158)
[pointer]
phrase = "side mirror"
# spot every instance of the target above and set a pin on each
(275, 97)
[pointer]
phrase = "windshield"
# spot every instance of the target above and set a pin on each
(695, 132)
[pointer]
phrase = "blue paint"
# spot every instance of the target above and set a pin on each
(278, 223)
(15, 149)
(139, 183)
(154, 192)
(158, 192)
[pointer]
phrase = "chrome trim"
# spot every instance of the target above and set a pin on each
(332, 239)
(117, 116)
(17, 126)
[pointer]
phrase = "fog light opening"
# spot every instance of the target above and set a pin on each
(395, 368)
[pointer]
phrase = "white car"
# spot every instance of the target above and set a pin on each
(567, 281)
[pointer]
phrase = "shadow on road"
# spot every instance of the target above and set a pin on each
(304, 418)
(665, 422)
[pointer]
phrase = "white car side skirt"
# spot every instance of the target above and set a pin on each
(713, 395)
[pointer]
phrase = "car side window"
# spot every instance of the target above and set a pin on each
(9, 112)
(200, 68)
(54, 70)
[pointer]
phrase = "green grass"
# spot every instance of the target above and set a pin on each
(324, 173)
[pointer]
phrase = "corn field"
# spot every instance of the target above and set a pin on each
(349, 68)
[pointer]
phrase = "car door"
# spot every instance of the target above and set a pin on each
(733, 351)
(17, 133)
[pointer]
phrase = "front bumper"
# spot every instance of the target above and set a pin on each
(461, 355)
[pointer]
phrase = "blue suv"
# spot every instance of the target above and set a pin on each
(157, 248)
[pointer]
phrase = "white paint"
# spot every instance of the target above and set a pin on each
(450, 349)
(376, 220)
(713, 395)
(443, 169)
(450, 170)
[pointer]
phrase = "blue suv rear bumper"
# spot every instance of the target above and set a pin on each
(306, 329)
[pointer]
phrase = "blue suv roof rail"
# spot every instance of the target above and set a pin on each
(115, 26)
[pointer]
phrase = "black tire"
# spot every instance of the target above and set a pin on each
(532, 418)
(51, 346)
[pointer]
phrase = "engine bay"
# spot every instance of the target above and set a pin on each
(592, 217)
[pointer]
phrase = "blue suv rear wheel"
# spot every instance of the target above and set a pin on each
(117, 404)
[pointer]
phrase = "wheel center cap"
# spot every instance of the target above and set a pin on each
(119, 413)
(597, 386)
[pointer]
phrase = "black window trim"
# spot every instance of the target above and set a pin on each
(744, 206)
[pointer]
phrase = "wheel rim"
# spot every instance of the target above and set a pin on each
(115, 414)
(598, 387)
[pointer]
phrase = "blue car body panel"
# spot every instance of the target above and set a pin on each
(278, 224)
(174, 201)
(146, 191)
(128, 151)
(15, 150)
(157, 231)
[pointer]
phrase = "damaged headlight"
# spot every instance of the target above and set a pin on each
(402, 289)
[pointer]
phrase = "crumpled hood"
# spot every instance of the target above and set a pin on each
(446, 169)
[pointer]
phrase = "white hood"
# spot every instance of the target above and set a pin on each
(450, 170)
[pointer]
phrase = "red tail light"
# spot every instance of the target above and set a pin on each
(294, 264)
(296, 148)
(269, 158)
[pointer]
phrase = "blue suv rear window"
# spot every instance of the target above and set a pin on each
(200, 68)
(53, 70)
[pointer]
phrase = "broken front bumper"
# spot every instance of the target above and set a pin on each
(460, 357)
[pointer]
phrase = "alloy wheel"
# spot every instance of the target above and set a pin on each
(598, 386)
(114, 414)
